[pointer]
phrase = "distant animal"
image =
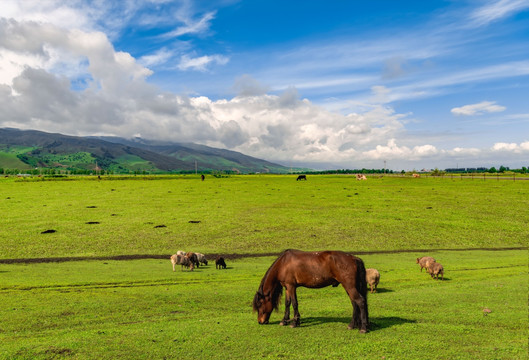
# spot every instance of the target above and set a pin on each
(372, 278)
(425, 262)
(302, 177)
(201, 258)
(361, 177)
(202, 177)
(180, 260)
(294, 268)
(220, 263)
(416, 175)
(193, 258)
(435, 270)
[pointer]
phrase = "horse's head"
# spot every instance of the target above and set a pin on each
(262, 303)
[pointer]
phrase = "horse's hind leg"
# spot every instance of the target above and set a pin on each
(360, 316)
(355, 322)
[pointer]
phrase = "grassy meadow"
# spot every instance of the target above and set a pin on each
(258, 214)
(141, 309)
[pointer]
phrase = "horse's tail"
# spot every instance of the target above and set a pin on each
(361, 283)
(361, 280)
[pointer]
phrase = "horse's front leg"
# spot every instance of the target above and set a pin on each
(294, 298)
(286, 317)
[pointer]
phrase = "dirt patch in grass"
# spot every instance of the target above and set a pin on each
(226, 256)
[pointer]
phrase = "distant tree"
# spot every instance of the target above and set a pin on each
(437, 172)
(524, 169)
(503, 169)
(493, 170)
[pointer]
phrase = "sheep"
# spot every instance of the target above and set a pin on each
(372, 278)
(425, 262)
(220, 263)
(193, 259)
(202, 258)
(177, 259)
(435, 269)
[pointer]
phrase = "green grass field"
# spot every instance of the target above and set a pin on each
(258, 214)
(107, 309)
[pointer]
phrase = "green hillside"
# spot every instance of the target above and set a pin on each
(39, 152)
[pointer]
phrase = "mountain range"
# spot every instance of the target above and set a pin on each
(31, 149)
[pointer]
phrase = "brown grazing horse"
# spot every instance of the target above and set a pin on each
(294, 268)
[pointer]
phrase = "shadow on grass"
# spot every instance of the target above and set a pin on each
(375, 323)
(445, 279)
(380, 290)
(379, 323)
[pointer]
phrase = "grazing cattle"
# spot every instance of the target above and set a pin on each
(302, 177)
(435, 270)
(416, 175)
(372, 278)
(193, 258)
(202, 177)
(314, 270)
(201, 258)
(425, 262)
(361, 177)
(180, 252)
(177, 259)
(220, 263)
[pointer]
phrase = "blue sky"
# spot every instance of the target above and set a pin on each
(349, 84)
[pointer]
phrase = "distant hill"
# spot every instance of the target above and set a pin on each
(29, 149)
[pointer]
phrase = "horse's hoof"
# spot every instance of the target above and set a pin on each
(293, 325)
(363, 331)
(282, 323)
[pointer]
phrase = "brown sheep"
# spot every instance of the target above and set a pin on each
(372, 278)
(193, 259)
(425, 262)
(435, 269)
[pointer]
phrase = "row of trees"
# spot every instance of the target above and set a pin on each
(72, 171)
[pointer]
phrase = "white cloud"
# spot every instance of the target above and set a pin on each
(201, 63)
(393, 151)
(192, 26)
(511, 147)
(160, 56)
(496, 10)
(478, 109)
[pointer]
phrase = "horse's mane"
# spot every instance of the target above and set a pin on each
(277, 290)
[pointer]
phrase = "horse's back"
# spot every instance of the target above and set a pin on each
(317, 269)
